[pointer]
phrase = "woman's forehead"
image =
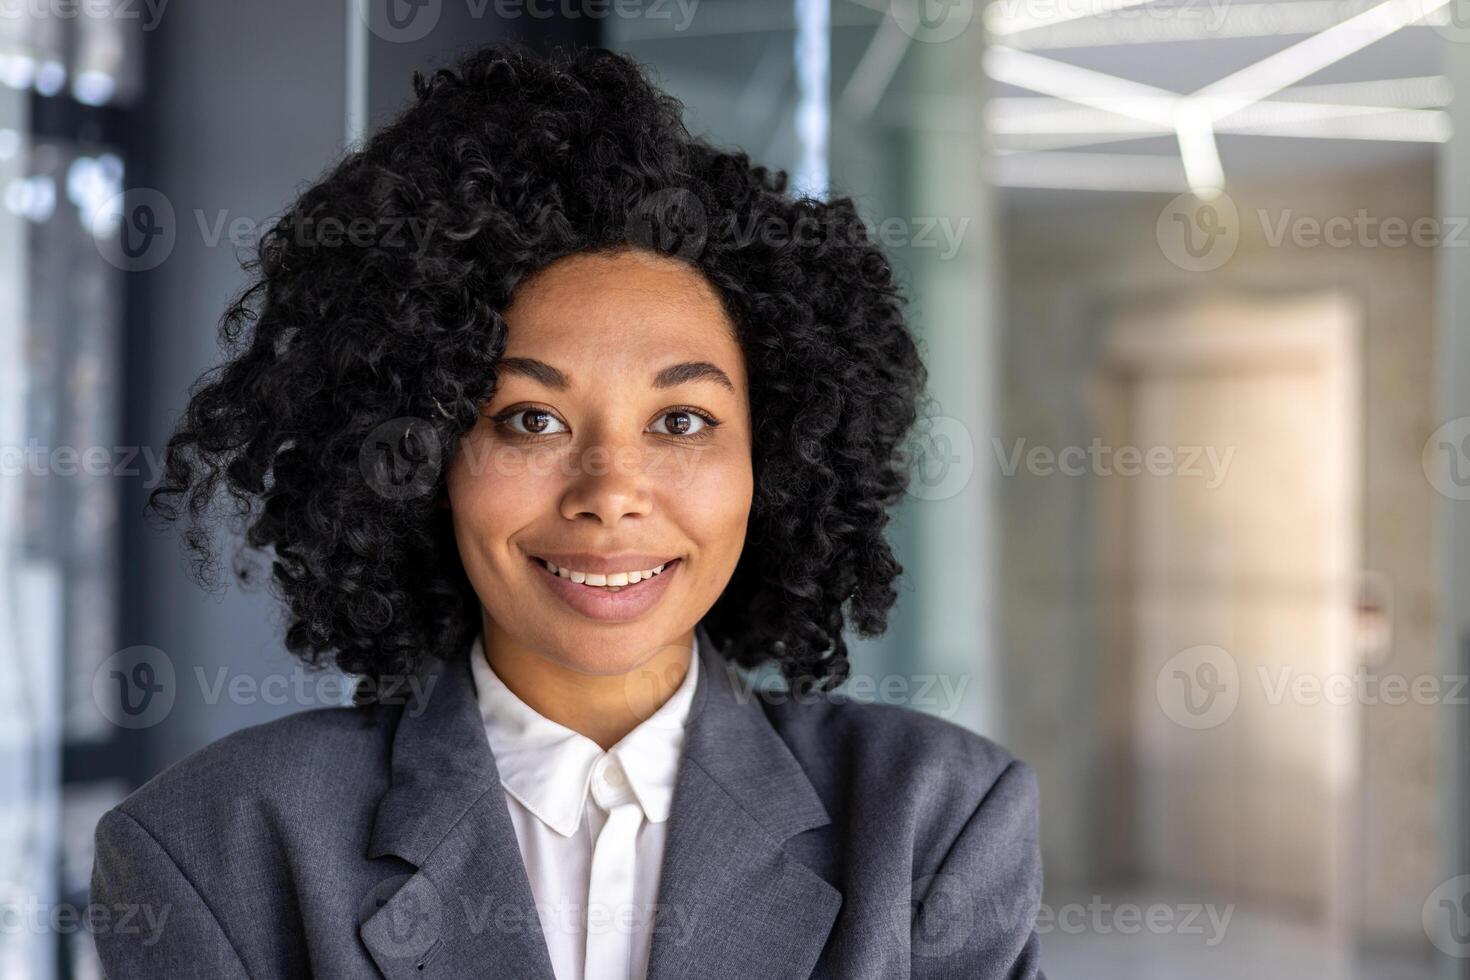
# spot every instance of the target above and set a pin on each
(615, 284)
(598, 313)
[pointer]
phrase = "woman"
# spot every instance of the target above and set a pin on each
(555, 418)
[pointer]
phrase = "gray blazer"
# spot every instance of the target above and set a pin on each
(815, 838)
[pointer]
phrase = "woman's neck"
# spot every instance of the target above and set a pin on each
(603, 707)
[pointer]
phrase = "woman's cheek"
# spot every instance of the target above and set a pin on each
(493, 472)
(713, 500)
(493, 491)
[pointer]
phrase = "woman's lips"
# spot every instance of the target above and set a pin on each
(608, 605)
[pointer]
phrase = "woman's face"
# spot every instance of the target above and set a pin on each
(617, 440)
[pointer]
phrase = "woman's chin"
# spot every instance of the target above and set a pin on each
(627, 654)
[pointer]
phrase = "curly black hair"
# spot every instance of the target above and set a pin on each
(511, 159)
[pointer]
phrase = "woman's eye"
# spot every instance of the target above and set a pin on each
(532, 422)
(680, 423)
(684, 423)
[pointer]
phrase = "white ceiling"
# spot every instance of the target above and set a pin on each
(742, 51)
(1185, 66)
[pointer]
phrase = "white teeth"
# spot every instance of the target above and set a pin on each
(613, 581)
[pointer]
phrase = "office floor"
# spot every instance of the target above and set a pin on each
(1094, 942)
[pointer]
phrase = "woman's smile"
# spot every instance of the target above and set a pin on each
(609, 596)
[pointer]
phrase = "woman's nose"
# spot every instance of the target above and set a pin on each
(609, 481)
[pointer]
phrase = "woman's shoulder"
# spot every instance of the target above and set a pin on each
(329, 753)
(905, 756)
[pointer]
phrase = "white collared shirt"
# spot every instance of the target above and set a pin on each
(590, 824)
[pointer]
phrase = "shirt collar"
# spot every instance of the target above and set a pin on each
(548, 767)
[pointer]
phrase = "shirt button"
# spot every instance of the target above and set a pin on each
(614, 774)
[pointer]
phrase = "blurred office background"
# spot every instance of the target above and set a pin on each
(1190, 530)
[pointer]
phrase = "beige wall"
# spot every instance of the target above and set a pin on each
(1064, 264)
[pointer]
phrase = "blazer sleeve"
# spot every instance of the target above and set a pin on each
(159, 924)
(976, 915)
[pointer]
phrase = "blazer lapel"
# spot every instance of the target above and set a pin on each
(468, 909)
(732, 902)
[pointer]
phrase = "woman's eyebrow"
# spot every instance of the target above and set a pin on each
(677, 374)
(670, 377)
(529, 367)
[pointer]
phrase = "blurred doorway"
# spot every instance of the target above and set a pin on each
(1227, 562)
